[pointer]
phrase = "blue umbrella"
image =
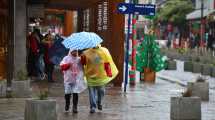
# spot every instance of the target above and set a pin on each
(82, 40)
(57, 51)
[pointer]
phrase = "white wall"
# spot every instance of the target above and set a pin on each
(208, 4)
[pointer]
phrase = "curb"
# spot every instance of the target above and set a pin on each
(172, 80)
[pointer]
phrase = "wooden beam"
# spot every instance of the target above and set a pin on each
(68, 23)
(3, 12)
(117, 39)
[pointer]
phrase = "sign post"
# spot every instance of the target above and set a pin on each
(135, 9)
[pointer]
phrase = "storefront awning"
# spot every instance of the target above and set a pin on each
(197, 14)
(65, 4)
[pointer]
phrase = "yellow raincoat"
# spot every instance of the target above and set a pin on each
(94, 68)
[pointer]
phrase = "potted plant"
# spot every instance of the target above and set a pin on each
(21, 85)
(149, 59)
(199, 88)
(185, 107)
(41, 107)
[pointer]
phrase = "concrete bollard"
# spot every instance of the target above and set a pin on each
(200, 89)
(40, 110)
(185, 108)
(21, 88)
(188, 66)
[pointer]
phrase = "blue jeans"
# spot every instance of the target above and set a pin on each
(40, 66)
(96, 94)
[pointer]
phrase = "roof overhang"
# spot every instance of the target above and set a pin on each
(196, 14)
(65, 4)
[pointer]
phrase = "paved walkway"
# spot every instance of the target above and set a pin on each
(181, 78)
(143, 102)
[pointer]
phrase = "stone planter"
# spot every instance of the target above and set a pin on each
(197, 67)
(213, 72)
(188, 66)
(21, 88)
(3, 88)
(185, 108)
(186, 58)
(206, 69)
(199, 89)
(40, 110)
(171, 65)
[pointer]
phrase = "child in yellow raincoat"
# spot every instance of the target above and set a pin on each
(99, 69)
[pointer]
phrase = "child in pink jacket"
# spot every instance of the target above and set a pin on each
(74, 82)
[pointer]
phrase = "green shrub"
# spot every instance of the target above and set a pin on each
(22, 75)
(181, 50)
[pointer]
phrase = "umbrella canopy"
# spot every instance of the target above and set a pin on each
(57, 51)
(82, 40)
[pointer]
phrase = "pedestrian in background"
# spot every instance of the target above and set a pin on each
(49, 66)
(99, 70)
(35, 55)
(73, 79)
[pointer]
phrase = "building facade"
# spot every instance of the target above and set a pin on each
(98, 16)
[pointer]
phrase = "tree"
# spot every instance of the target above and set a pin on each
(148, 55)
(175, 11)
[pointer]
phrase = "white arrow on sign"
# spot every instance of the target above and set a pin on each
(123, 8)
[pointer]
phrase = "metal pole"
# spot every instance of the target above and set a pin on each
(132, 73)
(127, 52)
(202, 15)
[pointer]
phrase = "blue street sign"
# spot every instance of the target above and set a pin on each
(144, 9)
(125, 8)
(138, 9)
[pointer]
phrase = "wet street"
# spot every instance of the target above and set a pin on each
(143, 102)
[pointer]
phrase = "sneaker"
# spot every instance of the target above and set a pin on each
(99, 107)
(92, 110)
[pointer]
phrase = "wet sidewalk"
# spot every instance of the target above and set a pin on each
(142, 102)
